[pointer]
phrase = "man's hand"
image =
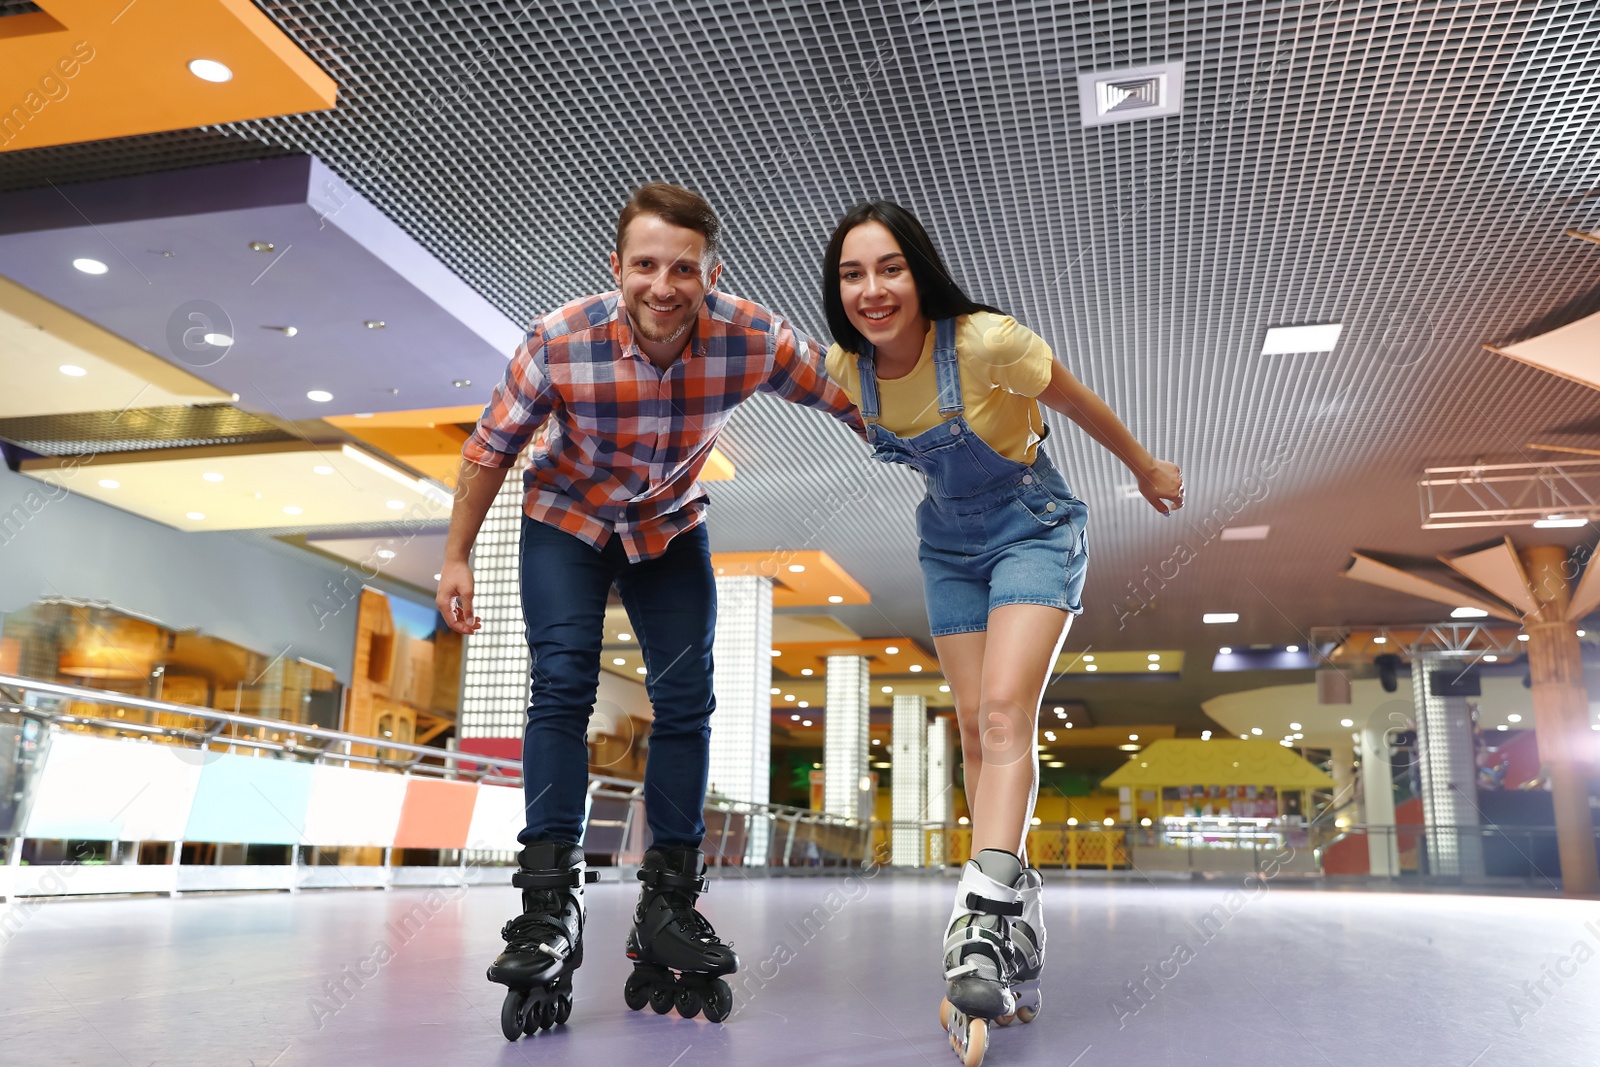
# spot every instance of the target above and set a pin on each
(454, 597)
(1162, 484)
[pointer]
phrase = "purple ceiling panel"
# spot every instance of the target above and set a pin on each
(212, 268)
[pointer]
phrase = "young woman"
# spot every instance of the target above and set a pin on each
(953, 388)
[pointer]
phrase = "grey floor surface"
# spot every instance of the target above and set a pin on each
(836, 972)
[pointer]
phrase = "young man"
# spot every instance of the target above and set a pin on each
(634, 386)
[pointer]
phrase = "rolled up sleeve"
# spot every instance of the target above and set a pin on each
(521, 403)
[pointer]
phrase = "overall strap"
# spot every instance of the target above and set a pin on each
(868, 370)
(946, 367)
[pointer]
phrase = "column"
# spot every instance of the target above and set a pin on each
(943, 744)
(1377, 797)
(1342, 760)
(1449, 770)
(844, 736)
(1561, 716)
(741, 728)
(495, 684)
(909, 791)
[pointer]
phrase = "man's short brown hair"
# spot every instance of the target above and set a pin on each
(677, 205)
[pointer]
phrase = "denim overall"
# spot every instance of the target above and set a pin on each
(993, 531)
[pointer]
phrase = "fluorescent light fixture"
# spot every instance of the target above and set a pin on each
(1469, 613)
(209, 70)
(435, 493)
(1291, 340)
(1557, 522)
(90, 266)
(71, 371)
(1245, 533)
(1213, 617)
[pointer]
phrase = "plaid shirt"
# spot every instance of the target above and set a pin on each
(626, 440)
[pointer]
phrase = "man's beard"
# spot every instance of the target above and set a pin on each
(641, 317)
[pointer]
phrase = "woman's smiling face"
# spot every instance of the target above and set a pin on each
(877, 289)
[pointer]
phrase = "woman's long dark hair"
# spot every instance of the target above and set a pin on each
(938, 293)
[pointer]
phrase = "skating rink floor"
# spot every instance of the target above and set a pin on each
(836, 972)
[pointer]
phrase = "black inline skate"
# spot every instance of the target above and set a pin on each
(669, 936)
(544, 944)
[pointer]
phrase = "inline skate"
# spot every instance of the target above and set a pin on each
(980, 959)
(1027, 939)
(678, 960)
(544, 944)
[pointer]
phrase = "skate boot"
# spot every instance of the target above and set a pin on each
(979, 957)
(544, 944)
(669, 936)
(1027, 938)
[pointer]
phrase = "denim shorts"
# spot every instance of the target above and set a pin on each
(1022, 544)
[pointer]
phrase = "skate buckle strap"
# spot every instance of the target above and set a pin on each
(989, 906)
(568, 879)
(672, 880)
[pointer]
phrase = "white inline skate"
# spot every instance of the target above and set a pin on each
(1027, 940)
(980, 960)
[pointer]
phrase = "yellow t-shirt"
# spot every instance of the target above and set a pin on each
(1004, 365)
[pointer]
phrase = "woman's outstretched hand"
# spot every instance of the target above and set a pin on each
(1162, 485)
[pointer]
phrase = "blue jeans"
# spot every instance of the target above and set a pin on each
(672, 603)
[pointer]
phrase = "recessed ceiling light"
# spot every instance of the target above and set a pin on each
(944, 689)
(1225, 650)
(1291, 648)
(321, 396)
(221, 340)
(1347, 723)
(110, 483)
(1133, 737)
(1513, 717)
(196, 516)
(1087, 659)
(1295, 726)
(1559, 522)
(1069, 725)
(1205, 735)
(1220, 616)
(1491, 658)
(1153, 657)
(461, 383)
(386, 553)
(1092, 667)
(1290, 340)
(1583, 633)
(776, 653)
(639, 670)
(1245, 533)
(1522, 637)
(836, 599)
(1502, 726)
(888, 689)
(1380, 640)
(374, 324)
(805, 704)
(209, 70)
(618, 661)
(797, 568)
(1469, 613)
(1153, 666)
(394, 505)
(624, 637)
(805, 722)
(807, 671)
(322, 468)
(287, 331)
(1299, 736)
(776, 690)
(794, 718)
(90, 266)
(438, 577)
(1255, 730)
(916, 668)
(72, 371)
(263, 246)
(212, 476)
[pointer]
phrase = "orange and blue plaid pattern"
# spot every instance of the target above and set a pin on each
(625, 440)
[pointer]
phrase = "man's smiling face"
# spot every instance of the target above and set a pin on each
(664, 277)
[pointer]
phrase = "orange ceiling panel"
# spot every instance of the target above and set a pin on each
(85, 70)
(800, 579)
(796, 656)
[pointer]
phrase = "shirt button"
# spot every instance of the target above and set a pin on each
(1027, 479)
(1050, 506)
(954, 429)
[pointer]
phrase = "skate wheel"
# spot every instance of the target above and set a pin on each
(662, 998)
(688, 1003)
(511, 1014)
(543, 1015)
(718, 1001)
(636, 991)
(1028, 1014)
(1006, 1020)
(977, 1042)
(944, 1014)
(563, 1009)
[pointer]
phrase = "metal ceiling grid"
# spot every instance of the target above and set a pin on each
(1405, 169)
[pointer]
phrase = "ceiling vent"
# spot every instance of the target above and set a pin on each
(1135, 93)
